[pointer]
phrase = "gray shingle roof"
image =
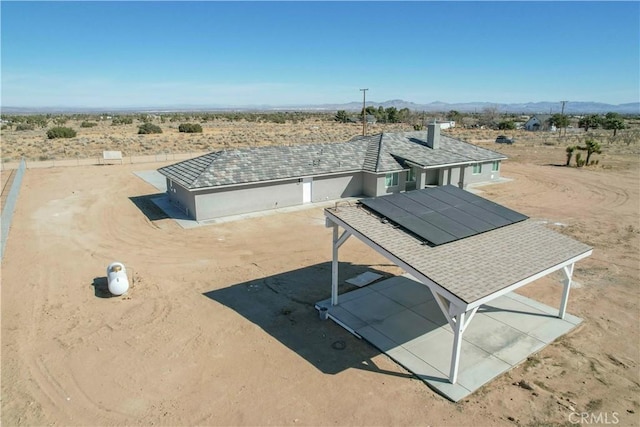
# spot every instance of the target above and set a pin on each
(386, 152)
(412, 146)
(256, 164)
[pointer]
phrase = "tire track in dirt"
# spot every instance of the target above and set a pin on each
(67, 217)
(89, 213)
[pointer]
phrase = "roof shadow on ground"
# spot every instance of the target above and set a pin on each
(283, 305)
(148, 207)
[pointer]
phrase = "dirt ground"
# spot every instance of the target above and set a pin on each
(219, 326)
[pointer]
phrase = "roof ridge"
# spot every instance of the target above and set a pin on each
(372, 152)
(379, 151)
(211, 158)
(470, 144)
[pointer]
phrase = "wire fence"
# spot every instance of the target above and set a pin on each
(99, 160)
(10, 204)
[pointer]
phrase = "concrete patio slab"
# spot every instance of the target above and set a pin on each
(400, 317)
(154, 178)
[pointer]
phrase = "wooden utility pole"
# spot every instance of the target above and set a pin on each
(565, 129)
(364, 118)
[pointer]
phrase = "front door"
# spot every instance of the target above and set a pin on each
(306, 190)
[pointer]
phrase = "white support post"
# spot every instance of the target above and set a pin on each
(568, 272)
(458, 319)
(457, 345)
(334, 267)
(336, 243)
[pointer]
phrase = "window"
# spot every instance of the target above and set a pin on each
(411, 175)
(391, 179)
(477, 168)
(495, 166)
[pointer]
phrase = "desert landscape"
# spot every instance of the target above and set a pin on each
(219, 326)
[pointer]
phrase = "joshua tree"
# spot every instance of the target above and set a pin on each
(591, 146)
(613, 121)
(570, 150)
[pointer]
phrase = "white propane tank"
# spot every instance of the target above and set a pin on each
(117, 278)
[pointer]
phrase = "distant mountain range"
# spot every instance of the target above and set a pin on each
(470, 107)
(436, 106)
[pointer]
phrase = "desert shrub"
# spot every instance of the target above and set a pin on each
(190, 128)
(279, 118)
(23, 126)
(38, 120)
(121, 121)
(148, 128)
(88, 124)
(60, 132)
(506, 125)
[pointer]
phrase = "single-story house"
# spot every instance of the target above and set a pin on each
(446, 124)
(539, 122)
(370, 118)
(252, 179)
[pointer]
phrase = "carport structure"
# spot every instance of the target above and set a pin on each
(463, 274)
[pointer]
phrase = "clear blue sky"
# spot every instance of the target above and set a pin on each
(142, 54)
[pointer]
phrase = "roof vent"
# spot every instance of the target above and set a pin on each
(433, 136)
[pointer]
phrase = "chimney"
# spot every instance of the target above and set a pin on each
(433, 136)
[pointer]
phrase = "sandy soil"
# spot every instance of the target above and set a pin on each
(219, 328)
(216, 135)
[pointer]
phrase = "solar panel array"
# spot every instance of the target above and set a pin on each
(442, 214)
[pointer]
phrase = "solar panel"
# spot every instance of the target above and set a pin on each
(477, 224)
(500, 210)
(442, 221)
(441, 215)
(409, 205)
(386, 209)
(437, 236)
(426, 200)
(478, 212)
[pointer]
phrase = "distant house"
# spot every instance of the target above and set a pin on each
(371, 119)
(446, 124)
(539, 122)
(252, 179)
